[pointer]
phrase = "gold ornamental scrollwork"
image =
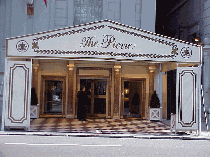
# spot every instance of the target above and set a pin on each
(35, 45)
(174, 50)
(172, 55)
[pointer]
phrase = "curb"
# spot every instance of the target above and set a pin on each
(180, 137)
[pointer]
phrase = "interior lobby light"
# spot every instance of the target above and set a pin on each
(197, 39)
(126, 91)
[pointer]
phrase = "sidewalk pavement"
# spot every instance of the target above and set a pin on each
(108, 128)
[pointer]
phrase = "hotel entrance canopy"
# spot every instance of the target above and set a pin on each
(103, 40)
(107, 41)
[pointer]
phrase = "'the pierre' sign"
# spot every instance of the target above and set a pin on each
(107, 41)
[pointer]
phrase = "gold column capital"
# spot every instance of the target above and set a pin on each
(71, 66)
(36, 67)
(152, 69)
(117, 68)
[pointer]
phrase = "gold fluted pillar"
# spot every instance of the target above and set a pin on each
(117, 91)
(70, 107)
(151, 81)
(35, 77)
(151, 87)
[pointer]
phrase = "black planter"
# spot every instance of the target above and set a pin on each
(154, 102)
(34, 100)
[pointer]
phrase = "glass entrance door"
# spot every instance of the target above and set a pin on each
(133, 98)
(97, 93)
(53, 95)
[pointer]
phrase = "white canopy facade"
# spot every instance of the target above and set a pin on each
(105, 49)
(104, 40)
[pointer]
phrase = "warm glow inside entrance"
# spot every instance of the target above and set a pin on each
(132, 98)
(53, 97)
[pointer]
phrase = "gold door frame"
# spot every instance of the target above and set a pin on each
(108, 86)
(51, 77)
(143, 97)
(93, 96)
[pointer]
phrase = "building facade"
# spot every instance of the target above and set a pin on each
(18, 19)
(59, 47)
(188, 20)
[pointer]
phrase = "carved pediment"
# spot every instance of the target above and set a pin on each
(104, 39)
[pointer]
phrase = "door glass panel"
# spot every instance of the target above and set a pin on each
(96, 89)
(132, 95)
(100, 87)
(100, 96)
(100, 105)
(87, 84)
(53, 97)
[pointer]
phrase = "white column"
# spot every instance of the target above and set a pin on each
(206, 71)
(160, 84)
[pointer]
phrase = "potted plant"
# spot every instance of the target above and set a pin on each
(155, 110)
(34, 103)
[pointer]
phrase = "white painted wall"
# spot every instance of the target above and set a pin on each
(128, 17)
(60, 13)
(18, 18)
(2, 51)
(148, 15)
(112, 10)
(41, 17)
(135, 13)
(2, 23)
